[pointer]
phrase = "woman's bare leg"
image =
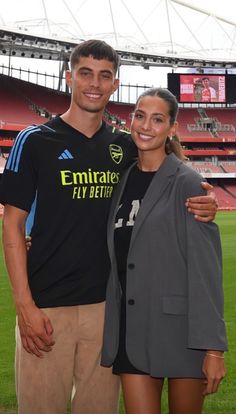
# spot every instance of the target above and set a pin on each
(185, 395)
(142, 394)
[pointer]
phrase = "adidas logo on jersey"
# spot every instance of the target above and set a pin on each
(66, 155)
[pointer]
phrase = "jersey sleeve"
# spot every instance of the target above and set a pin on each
(19, 181)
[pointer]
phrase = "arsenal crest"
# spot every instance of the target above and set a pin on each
(116, 153)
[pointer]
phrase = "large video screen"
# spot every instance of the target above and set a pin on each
(191, 88)
(202, 88)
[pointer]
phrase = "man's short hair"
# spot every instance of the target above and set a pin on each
(98, 49)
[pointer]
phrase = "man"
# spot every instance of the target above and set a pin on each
(208, 93)
(64, 173)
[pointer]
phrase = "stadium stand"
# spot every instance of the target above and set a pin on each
(223, 121)
(189, 125)
(30, 101)
(123, 112)
(14, 107)
(228, 167)
(209, 151)
(231, 188)
(206, 167)
(225, 200)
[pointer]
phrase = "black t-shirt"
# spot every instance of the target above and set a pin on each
(65, 180)
(135, 189)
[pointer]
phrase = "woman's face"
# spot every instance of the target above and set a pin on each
(151, 124)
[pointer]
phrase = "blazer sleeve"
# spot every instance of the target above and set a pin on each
(206, 326)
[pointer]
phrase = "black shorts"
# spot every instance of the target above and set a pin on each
(122, 364)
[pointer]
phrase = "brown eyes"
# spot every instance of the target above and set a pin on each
(141, 116)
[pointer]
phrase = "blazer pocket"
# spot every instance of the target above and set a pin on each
(174, 305)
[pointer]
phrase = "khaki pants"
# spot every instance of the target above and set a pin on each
(44, 385)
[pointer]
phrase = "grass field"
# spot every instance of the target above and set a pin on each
(224, 402)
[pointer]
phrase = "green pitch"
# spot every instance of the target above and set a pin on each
(221, 403)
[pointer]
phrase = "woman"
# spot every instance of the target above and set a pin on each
(164, 297)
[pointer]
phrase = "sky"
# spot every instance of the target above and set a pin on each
(149, 25)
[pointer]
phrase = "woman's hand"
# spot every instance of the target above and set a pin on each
(214, 371)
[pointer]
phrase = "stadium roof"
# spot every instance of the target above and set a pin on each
(192, 29)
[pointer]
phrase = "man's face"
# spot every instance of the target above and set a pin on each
(92, 82)
(205, 83)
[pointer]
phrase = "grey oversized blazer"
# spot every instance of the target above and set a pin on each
(174, 280)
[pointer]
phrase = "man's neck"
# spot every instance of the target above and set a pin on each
(87, 123)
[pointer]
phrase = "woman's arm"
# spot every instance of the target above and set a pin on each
(206, 327)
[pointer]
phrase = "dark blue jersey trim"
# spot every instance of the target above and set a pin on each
(14, 158)
(30, 219)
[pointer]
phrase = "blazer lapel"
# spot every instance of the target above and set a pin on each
(161, 180)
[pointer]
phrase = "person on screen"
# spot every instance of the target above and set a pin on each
(197, 90)
(164, 303)
(208, 92)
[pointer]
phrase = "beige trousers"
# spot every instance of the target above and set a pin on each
(44, 385)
